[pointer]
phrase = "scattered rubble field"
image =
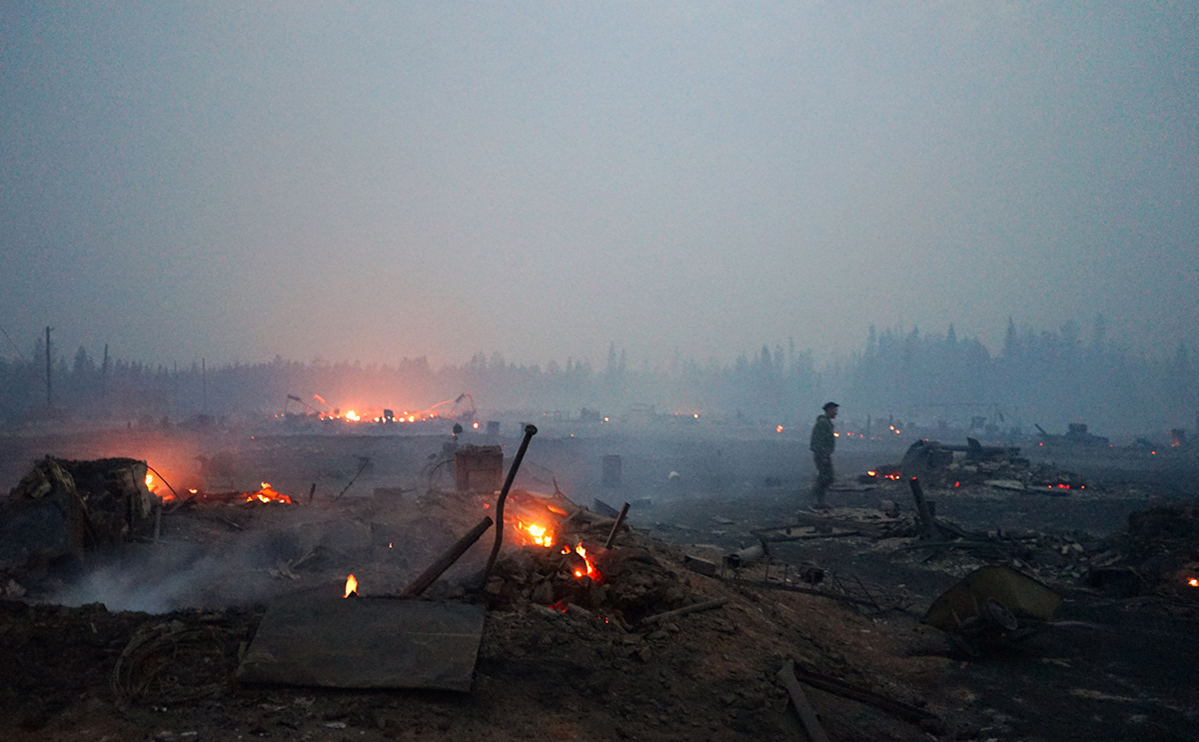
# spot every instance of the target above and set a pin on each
(668, 639)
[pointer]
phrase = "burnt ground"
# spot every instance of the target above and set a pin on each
(1107, 667)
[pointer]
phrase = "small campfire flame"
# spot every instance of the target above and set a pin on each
(1193, 582)
(588, 567)
(538, 522)
(351, 586)
(267, 494)
(150, 482)
(539, 535)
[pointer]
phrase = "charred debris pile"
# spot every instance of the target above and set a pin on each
(1157, 553)
(63, 507)
(614, 620)
(584, 612)
(939, 464)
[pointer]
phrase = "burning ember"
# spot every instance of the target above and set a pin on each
(151, 485)
(1193, 582)
(539, 535)
(588, 570)
(267, 494)
(538, 521)
(351, 586)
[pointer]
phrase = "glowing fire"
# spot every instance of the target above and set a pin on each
(267, 494)
(1193, 582)
(588, 569)
(351, 586)
(150, 482)
(539, 535)
(351, 415)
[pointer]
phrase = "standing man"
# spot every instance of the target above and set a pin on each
(822, 445)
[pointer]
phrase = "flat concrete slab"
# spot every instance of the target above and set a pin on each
(366, 643)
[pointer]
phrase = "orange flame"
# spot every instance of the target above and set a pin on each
(351, 586)
(268, 494)
(539, 535)
(588, 569)
(150, 482)
(1193, 582)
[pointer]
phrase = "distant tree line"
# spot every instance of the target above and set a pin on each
(1038, 377)
(1047, 378)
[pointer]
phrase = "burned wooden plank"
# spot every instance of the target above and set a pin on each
(904, 711)
(446, 560)
(624, 511)
(807, 714)
(707, 605)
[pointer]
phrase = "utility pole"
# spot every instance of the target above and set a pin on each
(49, 387)
(204, 377)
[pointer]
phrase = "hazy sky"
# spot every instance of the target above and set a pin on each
(239, 180)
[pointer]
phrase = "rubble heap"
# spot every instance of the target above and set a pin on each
(942, 465)
(1158, 551)
(61, 507)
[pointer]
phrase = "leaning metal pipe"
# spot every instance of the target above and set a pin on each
(530, 431)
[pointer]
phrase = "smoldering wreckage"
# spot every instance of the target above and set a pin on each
(540, 618)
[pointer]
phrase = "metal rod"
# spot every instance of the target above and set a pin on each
(362, 465)
(446, 560)
(616, 526)
(530, 431)
(164, 481)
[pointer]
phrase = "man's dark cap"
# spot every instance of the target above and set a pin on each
(830, 404)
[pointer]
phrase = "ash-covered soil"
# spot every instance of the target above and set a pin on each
(580, 666)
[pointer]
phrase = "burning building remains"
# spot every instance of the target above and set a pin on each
(585, 621)
(947, 465)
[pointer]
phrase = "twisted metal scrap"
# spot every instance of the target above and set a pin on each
(154, 649)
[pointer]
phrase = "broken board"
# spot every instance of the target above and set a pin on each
(366, 643)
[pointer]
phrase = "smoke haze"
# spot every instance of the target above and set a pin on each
(691, 180)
